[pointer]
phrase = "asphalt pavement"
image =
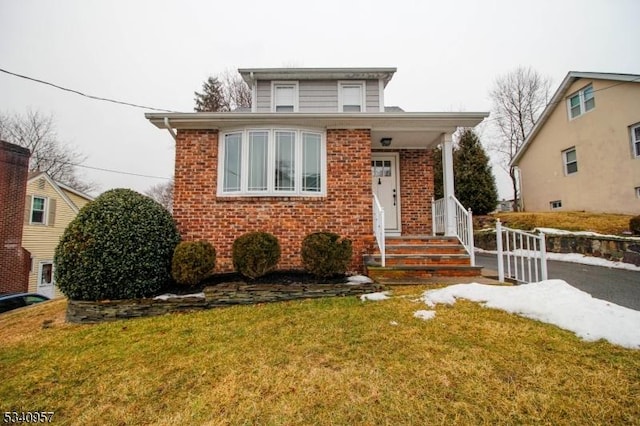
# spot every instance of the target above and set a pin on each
(618, 286)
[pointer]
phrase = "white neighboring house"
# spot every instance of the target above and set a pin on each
(49, 208)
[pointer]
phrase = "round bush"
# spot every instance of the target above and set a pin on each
(255, 254)
(118, 247)
(325, 254)
(192, 262)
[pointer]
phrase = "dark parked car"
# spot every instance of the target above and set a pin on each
(18, 300)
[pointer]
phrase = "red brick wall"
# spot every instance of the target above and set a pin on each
(346, 209)
(14, 261)
(416, 190)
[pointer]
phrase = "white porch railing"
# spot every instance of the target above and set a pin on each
(378, 227)
(462, 223)
(525, 254)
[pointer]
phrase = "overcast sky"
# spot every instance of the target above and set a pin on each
(157, 53)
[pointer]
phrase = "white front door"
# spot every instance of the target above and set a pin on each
(45, 285)
(385, 184)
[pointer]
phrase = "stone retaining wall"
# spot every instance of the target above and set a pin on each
(220, 295)
(608, 247)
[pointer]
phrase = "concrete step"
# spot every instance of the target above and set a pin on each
(424, 249)
(404, 274)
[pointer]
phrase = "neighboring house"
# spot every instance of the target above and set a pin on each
(14, 260)
(584, 151)
(505, 206)
(49, 208)
(315, 147)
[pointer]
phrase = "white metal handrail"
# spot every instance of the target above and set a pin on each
(462, 221)
(525, 253)
(378, 227)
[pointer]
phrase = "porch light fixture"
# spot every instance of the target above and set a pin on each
(385, 141)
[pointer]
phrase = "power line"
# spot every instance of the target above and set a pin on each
(84, 94)
(102, 169)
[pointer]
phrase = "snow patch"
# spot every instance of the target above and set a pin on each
(168, 296)
(359, 279)
(425, 315)
(381, 295)
(554, 302)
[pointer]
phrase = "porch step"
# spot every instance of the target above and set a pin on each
(413, 274)
(420, 257)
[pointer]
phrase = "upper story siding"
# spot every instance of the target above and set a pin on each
(316, 95)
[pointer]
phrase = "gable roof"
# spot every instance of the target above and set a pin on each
(60, 188)
(572, 76)
(249, 75)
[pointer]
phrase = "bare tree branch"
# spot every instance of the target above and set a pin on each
(36, 132)
(225, 92)
(163, 194)
(519, 98)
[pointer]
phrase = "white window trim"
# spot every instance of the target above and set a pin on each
(45, 213)
(296, 93)
(551, 204)
(565, 162)
(637, 188)
(271, 192)
(582, 104)
(634, 141)
(363, 93)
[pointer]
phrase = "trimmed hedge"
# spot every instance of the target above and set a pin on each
(325, 254)
(255, 254)
(119, 246)
(192, 262)
(634, 225)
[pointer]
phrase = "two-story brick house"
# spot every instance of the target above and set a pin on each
(317, 152)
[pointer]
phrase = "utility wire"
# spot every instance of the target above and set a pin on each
(84, 94)
(102, 169)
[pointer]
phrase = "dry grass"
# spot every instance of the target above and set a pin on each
(328, 361)
(603, 223)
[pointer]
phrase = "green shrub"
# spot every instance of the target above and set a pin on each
(255, 254)
(192, 262)
(634, 225)
(325, 254)
(118, 247)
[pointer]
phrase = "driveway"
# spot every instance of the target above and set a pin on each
(618, 286)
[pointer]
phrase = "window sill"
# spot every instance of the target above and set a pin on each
(271, 198)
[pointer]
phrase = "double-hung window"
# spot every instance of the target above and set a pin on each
(351, 96)
(38, 210)
(581, 102)
(285, 96)
(570, 161)
(635, 140)
(272, 162)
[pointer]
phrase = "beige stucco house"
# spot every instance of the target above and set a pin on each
(49, 208)
(584, 151)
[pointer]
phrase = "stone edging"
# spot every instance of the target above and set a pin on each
(608, 247)
(227, 294)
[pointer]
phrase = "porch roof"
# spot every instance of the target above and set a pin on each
(407, 129)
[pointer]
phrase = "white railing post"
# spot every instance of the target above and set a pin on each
(378, 228)
(499, 248)
(472, 253)
(543, 257)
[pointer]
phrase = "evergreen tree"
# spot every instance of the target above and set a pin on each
(475, 184)
(212, 98)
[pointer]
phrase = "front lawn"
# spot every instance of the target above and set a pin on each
(602, 223)
(323, 361)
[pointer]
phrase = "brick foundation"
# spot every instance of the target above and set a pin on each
(14, 260)
(346, 208)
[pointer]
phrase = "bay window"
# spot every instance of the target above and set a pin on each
(272, 162)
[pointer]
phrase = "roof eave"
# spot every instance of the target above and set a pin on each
(406, 120)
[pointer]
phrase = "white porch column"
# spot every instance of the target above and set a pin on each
(448, 185)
